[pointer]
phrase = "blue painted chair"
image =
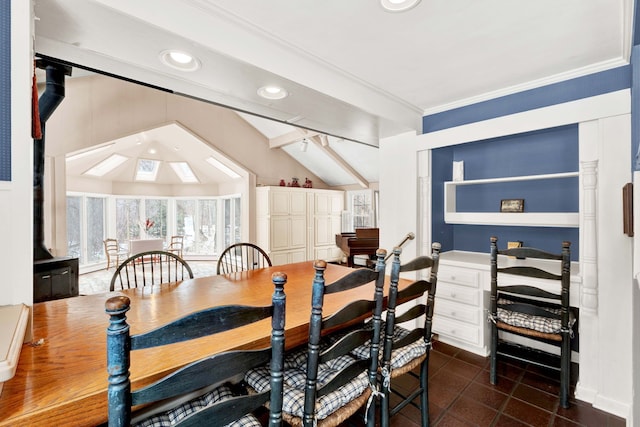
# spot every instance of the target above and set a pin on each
(217, 405)
(324, 384)
(404, 349)
(531, 311)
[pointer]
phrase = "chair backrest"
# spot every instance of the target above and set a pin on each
(150, 268)
(215, 369)
(242, 257)
(111, 246)
(354, 312)
(176, 242)
(408, 296)
(534, 263)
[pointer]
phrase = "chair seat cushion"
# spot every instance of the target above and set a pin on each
(399, 356)
(295, 376)
(537, 323)
(172, 416)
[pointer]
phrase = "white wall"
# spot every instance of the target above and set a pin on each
(16, 197)
(605, 135)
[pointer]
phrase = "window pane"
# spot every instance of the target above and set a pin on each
(156, 213)
(95, 229)
(237, 219)
(128, 219)
(74, 227)
(206, 239)
(185, 214)
(227, 223)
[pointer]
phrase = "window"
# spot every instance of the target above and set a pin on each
(91, 219)
(86, 219)
(361, 211)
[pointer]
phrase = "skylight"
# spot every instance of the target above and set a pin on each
(147, 170)
(222, 167)
(184, 172)
(107, 165)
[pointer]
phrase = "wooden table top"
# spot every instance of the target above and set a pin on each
(64, 380)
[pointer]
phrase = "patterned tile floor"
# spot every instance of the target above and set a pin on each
(460, 395)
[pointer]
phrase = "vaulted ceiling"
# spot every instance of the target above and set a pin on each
(355, 73)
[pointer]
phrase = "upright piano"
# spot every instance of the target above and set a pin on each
(365, 241)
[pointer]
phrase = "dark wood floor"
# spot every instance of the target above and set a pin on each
(460, 395)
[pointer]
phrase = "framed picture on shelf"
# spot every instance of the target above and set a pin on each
(512, 205)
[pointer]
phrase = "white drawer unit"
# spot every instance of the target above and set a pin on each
(459, 308)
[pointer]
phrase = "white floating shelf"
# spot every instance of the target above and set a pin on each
(522, 219)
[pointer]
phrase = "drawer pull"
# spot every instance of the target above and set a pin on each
(453, 277)
(453, 314)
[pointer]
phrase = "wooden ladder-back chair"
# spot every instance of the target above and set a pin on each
(407, 348)
(176, 245)
(537, 310)
(242, 257)
(324, 383)
(219, 398)
(150, 268)
(113, 252)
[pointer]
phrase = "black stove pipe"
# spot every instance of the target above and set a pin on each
(47, 103)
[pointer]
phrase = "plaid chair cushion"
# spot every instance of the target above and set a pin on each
(400, 356)
(294, 382)
(172, 416)
(536, 323)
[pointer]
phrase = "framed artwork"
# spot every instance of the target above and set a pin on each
(512, 205)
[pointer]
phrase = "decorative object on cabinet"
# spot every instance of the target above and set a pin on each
(211, 382)
(531, 312)
(307, 183)
(294, 182)
(512, 205)
(242, 257)
(282, 183)
(627, 209)
(524, 219)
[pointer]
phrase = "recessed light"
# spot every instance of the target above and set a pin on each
(272, 92)
(179, 60)
(398, 5)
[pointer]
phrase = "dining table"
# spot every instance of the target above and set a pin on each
(61, 377)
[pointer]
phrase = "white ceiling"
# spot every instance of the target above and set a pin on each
(353, 71)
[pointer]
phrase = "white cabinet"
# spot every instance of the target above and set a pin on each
(324, 209)
(462, 296)
(298, 224)
(459, 308)
(525, 219)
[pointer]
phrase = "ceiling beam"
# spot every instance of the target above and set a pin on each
(323, 142)
(290, 137)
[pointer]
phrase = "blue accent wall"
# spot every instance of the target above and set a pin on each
(546, 151)
(5, 90)
(570, 90)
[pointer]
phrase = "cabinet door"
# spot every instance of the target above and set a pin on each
(298, 202)
(323, 231)
(61, 282)
(41, 286)
(279, 203)
(280, 231)
(298, 232)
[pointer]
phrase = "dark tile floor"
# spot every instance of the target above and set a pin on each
(460, 395)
